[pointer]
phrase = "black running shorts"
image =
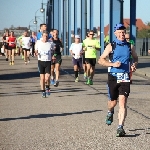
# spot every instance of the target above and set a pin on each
(58, 60)
(91, 61)
(44, 67)
(25, 49)
(84, 59)
(11, 48)
(115, 89)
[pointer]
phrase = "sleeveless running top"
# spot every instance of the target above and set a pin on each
(11, 41)
(121, 52)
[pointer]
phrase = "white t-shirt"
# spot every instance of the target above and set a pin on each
(76, 49)
(44, 50)
(26, 42)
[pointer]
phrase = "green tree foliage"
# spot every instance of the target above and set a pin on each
(145, 32)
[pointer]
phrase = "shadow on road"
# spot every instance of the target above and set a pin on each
(50, 115)
(133, 135)
(21, 75)
(66, 90)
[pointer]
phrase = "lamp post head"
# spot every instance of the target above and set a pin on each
(35, 22)
(42, 10)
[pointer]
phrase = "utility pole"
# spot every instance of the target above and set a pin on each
(121, 11)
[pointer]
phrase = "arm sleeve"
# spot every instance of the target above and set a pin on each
(71, 47)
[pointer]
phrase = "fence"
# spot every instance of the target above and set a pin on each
(142, 46)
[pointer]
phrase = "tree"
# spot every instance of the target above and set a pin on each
(145, 32)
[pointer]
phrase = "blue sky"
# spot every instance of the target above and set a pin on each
(21, 12)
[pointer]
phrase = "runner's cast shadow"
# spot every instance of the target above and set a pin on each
(21, 75)
(132, 135)
(38, 116)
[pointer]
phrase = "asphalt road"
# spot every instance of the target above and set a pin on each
(73, 117)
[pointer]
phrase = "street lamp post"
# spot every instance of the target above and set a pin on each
(43, 10)
(121, 11)
(29, 30)
(35, 21)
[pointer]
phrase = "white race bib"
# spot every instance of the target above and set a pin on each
(77, 56)
(123, 77)
(44, 55)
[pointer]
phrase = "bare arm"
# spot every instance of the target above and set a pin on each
(134, 55)
(102, 60)
(103, 57)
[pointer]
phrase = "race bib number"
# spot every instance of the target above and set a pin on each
(90, 47)
(77, 56)
(44, 55)
(123, 77)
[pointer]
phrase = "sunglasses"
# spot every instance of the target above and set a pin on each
(91, 34)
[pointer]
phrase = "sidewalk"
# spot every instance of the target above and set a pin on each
(143, 67)
(73, 117)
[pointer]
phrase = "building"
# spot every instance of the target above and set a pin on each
(139, 24)
(17, 30)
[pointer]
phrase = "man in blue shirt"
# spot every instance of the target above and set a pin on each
(43, 27)
(119, 52)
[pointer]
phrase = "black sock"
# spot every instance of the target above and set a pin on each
(47, 86)
(43, 91)
(76, 74)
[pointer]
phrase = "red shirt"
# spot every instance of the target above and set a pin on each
(12, 41)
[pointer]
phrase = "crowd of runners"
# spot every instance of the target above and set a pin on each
(48, 48)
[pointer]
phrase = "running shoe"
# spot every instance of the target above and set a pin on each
(10, 63)
(25, 63)
(56, 83)
(22, 57)
(85, 77)
(77, 79)
(120, 132)
(52, 81)
(109, 119)
(88, 82)
(6, 59)
(44, 94)
(48, 92)
(91, 82)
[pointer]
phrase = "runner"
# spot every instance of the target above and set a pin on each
(84, 62)
(26, 47)
(43, 27)
(90, 46)
(119, 52)
(5, 39)
(11, 47)
(33, 41)
(76, 52)
(57, 62)
(127, 37)
(20, 45)
(44, 48)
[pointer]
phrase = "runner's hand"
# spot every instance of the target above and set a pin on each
(117, 64)
(53, 57)
(133, 68)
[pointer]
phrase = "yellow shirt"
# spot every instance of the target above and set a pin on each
(91, 52)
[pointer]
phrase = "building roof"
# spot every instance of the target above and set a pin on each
(139, 24)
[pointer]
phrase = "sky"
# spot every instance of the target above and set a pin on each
(22, 12)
